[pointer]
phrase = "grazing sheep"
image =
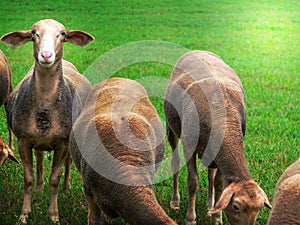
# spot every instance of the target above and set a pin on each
(6, 152)
(117, 145)
(204, 107)
(286, 202)
(6, 88)
(41, 108)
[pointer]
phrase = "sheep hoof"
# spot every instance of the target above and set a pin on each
(54, 220)
(190, 222)
(208, 216)
(39, 187)
(217, 219)
(66, 187)
(174, 205)
(22, 220)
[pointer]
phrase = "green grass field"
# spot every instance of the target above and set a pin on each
(258, 39)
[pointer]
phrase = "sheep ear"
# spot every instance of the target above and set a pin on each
(78, 37)
(224, 200)
(17, 38)
(265, 198)
(11, 154)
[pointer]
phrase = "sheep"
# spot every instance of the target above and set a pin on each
(6, 89)
(6, 152)
(286, 202)
(204, 107)
(117, 144)
(44, 105)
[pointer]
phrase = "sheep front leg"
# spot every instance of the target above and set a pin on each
(211, 173)
(192, 187)
(217, 217)
(25, 151)
(39, 170)
(60, 154)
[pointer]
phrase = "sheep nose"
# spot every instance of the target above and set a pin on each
(46, 55)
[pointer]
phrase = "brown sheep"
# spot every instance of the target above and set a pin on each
(117, 145)
(51, 96)
(5, 90)
(204, 107)
(286, 202)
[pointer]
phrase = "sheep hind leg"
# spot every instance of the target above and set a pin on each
(60, 155)
(192, 189)
(39, 170)
(68, 163)
(94, 212)
(175, 161)
(11, 138)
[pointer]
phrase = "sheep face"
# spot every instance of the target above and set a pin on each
(242, 202)
(48, 37)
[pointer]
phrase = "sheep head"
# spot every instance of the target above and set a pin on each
(242, 202)
(48, 37)
(6, 152)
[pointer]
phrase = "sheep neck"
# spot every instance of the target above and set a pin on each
(231, 158)
(46, 82)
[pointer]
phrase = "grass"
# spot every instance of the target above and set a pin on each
(258, 39)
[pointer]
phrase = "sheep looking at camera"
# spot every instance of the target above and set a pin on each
(117, 144)
(41, 108)
(204, 107)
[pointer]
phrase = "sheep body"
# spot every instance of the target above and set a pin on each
(41, 108)
(117, 144)
(6, 89)
(204, 107)
(5, 78)
(286, 202)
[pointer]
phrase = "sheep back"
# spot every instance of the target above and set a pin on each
(117, 144)
(204, 97)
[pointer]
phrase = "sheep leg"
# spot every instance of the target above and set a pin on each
(68, 163)
(94, 212)
(26, 157)
(39, 170)
(217, 217)
(59, 157)
(192, 188)
(211, 189)
(11, 138)
(175, 161)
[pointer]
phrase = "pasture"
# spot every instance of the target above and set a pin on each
(141, 41)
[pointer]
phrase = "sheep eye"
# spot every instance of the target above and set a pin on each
(62, 33)
(236, 207)
(33, 32)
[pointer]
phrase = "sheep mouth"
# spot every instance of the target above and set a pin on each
(46, 63)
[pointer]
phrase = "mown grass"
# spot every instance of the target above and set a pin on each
(258, 39)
